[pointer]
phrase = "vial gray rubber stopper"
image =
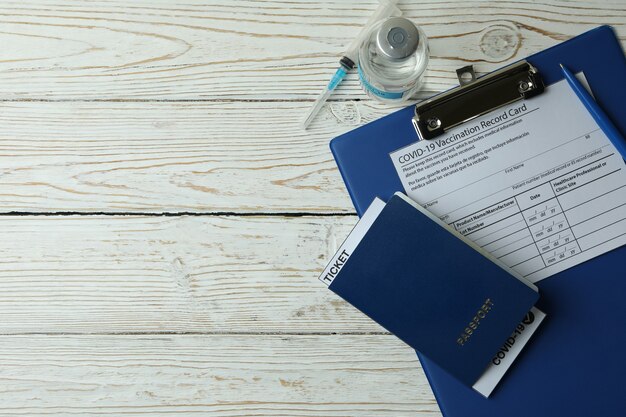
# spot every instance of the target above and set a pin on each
(397, 38)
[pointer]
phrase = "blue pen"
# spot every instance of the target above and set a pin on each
(597, 113)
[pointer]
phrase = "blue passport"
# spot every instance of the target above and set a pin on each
(432, 288)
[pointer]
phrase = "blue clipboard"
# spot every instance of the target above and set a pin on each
(575, 365)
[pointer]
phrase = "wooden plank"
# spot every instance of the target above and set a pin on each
(146, 49)
(220, 376)
(100, 274)
(173, 157)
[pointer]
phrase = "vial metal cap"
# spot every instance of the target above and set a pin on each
(397, 38)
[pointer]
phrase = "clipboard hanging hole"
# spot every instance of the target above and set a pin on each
(466, 75)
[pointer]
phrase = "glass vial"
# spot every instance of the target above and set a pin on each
(392, 60)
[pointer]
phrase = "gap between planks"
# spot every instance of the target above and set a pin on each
(421, 95)
(173, 214)
(213, 333)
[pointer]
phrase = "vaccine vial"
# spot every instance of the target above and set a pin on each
(392, 60)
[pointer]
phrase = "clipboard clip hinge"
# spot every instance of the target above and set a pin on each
(475, 97)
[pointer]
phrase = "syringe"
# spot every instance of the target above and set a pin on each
(350, 59)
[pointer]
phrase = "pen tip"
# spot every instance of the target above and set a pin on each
(561, 65)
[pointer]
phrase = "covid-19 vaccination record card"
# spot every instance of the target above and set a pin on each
(535, 183)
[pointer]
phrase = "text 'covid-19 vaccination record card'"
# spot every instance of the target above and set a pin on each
(535, 183)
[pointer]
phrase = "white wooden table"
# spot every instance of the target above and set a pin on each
(164, 219)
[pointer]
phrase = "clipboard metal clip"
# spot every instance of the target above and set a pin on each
(475, 97)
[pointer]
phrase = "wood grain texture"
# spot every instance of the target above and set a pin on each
(269, 50)
(160, 106)
(220, 376)
(99, 274)
(172, 157)
(241, 150)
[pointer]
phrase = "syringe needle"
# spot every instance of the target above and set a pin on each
(350, 59)
(321, 99)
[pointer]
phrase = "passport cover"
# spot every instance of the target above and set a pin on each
(585, 303)
(431, 289)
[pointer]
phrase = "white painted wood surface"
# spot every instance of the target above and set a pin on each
(255, 49)
(114, 112)
(254, 66)
(193, 375)
(215, 274)
(173, 156)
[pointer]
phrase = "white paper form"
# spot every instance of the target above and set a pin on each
(536, 183)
